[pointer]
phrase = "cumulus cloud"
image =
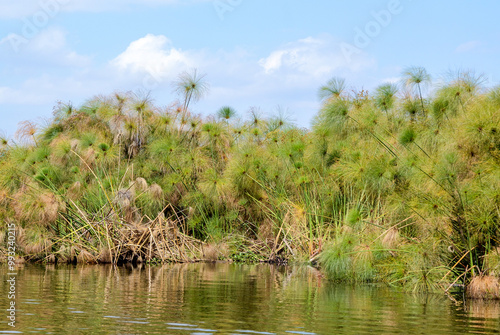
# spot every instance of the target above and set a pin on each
(313, 57)
(153, 55)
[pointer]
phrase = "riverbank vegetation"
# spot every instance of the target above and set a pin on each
(389, 186)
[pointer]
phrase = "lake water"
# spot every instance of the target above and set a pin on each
(225, 299)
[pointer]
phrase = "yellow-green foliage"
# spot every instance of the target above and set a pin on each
(348, 259)
(426, 168)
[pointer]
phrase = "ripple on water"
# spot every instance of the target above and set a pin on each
(205, 331)
(180, 324)
(135, 322)
(31, 301)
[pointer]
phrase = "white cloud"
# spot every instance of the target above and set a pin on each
(47, 48)
(153, 55)
(275, 60)
(468, 46)
(313, 57)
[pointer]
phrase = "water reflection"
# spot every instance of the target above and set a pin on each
(227, 299)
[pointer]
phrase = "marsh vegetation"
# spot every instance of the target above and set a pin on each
(394, 186)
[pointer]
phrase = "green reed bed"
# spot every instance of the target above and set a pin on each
(394, 186)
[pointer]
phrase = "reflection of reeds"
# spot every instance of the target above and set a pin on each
(258, 297)
(483, 309)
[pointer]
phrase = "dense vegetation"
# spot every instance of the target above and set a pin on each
(391, 186)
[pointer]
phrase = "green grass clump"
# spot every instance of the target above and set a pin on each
(346, 259)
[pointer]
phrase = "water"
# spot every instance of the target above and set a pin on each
(226, 299)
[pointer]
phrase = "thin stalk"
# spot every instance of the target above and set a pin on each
(421, 99)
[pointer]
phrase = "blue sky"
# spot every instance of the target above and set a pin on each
(266, 54)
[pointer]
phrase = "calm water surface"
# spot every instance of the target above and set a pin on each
(225, 299)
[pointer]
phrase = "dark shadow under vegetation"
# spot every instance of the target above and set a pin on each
(391, 186)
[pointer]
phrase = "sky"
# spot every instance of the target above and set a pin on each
(268, 55)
